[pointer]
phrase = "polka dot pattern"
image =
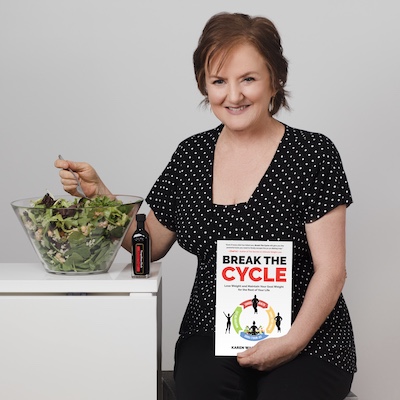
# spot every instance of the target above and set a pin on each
(304, 181)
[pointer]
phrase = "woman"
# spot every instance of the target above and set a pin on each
(252, 178)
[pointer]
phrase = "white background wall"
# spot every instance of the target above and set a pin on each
(111, 83)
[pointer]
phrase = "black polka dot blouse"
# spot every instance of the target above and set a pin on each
(304, 181)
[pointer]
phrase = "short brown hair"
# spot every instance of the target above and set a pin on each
(223, 31)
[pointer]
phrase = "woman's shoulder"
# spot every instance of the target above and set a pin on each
(201, 139)
(309, 141)
(306, 136)
(197, 148)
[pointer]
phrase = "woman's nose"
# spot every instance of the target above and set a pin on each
(234, 93)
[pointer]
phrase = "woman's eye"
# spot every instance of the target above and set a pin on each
(249, 79)
(218, 82)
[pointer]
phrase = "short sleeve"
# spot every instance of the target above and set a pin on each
(329, 187)
(162, 197)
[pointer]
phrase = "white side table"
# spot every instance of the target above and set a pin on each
(79, 337)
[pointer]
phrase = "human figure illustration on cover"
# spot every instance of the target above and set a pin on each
(228, 322)
(254, 329)
(278, 320)
(255, 304)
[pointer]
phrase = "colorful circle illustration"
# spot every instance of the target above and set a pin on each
(253, 326)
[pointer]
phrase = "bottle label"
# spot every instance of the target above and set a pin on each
(139, 258)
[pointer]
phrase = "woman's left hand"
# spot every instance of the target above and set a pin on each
(268, 354)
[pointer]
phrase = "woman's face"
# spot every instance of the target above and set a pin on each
(240, 91)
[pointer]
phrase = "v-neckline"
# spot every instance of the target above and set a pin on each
(218, 131)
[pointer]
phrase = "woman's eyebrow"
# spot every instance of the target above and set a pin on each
(240, 76)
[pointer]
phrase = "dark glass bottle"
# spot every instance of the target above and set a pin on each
(140, 249)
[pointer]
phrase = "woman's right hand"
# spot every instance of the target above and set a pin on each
(90, 181)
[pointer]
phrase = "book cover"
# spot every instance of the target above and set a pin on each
(253, 293)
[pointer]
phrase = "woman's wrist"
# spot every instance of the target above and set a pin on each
(102, 190)
(296, 342)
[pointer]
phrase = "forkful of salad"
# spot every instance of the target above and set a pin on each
(79, 187)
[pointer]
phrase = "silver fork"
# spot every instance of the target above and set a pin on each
(79, 187)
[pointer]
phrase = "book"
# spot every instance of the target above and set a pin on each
(253, 293)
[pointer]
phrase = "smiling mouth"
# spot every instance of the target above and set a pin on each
(241, 108)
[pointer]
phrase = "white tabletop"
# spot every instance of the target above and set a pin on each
(32, 278)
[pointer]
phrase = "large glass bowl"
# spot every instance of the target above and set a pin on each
(76, 236)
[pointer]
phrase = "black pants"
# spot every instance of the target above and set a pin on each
(199, 375)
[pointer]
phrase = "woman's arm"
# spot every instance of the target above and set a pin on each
(326, 238)
(327, 241)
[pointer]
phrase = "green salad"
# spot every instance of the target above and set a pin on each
(81, 235)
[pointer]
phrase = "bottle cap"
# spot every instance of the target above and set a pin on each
(140, 217)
